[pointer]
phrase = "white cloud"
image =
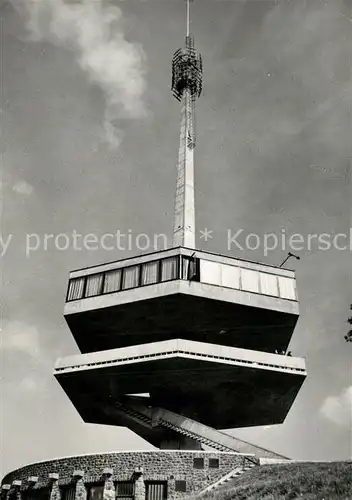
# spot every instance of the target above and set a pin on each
(338, 409)
(96, 34)
(28, 384)
(22, 187)
(20, 337)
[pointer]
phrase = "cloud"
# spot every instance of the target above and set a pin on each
(338, 409)
(17, 336)
(28, 385)
(95, 32)
(22, 187)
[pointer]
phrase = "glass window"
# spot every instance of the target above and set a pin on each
(213, 463)
(125, 489)
(95, 492)
(268, 284)
(130, 277)
(112, 281)
(68, 492)
(250, 280)
(75, 288)
(156, 490)
(35, 494)
(287, 288)
(94, 285)
(181, 486)
(169, 268)
(150, 272)
(190, 267)
(198, 463)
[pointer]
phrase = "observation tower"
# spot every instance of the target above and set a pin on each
(179, 344)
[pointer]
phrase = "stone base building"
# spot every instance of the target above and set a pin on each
(135, 475)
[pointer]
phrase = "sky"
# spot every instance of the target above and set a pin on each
(89, 144)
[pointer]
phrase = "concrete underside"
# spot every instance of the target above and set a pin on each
(217, 394)
(198, 318)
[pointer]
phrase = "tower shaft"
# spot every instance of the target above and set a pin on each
(184, 222)
(187, 76)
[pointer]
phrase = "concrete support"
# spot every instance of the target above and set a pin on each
(184, 222)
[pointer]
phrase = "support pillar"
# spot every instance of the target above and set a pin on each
(55, 493)
(139, 486)
(109, 487)
(81, 492)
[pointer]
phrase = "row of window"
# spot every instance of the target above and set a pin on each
(125, 278)
(155, 490)
(180, 267)
(198, 463)
(124, 490)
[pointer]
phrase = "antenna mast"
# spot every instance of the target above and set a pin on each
(187, 69)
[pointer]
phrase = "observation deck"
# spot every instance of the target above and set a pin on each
(221, 387)
(182, 293)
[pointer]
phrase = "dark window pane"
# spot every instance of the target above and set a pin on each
(190, 268)
(125, 489)
(68, 492)
(198, 463)
(181, 486)
(213, 463)
(34, 494)
(95, 492)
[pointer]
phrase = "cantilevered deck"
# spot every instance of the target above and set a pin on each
(181, 292)
(223, 387)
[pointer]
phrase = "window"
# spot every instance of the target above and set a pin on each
(181, 486)
(35, 494)
(68, 492)
(213, 463)
(75, 289)
(94, 285)
(150, 271)
(130, 277)
(190, 268)
(112, 281)
(198, 463)
(125, 489)
(156, 490)
(169, 268)
(95, 492)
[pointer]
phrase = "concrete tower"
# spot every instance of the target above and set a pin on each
(181, 343)
(186, 87)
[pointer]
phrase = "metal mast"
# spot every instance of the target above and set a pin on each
(186, 87)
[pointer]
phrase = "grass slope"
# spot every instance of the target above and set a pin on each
(304, 481)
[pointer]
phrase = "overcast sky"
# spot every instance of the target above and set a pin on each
(90, 138)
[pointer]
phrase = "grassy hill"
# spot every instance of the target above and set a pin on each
(304, 481)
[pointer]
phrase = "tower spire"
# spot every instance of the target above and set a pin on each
(186, 87)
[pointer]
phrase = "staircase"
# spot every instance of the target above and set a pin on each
(144, 414)
(201, 439)
(225, 479)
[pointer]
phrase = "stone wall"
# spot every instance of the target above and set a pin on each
(106, 469)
